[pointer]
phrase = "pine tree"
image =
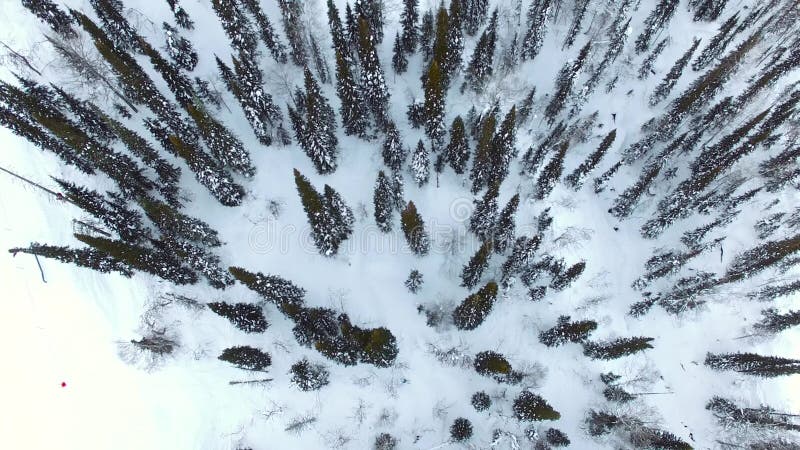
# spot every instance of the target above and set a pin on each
(534, 156)
(341, 214)
(49, 13)
(537, 28)
(341, 45)
(773, 322)
(328, 224)
(244, 316)
(376, 94)
(173, 223)
(475, 12)
(717, 44)
(753, 364)
(471, 273)
(565, 331)
(316, 132)
(408, 20)
(495, 365)
(646, 69)
(225, 147)
(426, 33)
(420, 164)
(383, 201)
(291, 13)
(115, 25)
(483, 220)
(456, 154)
(440, 43)
(308, 376)
(665, 87)
(531, 407)
(394, 155)
(154, 262)
(414, 281)
(372, 12)
(503, 148)
(557, 438)
(399, 60)
(320, 63)
(481, 66)
(503, 235)
(482, 163)
(565, 278)
(551, 173)
(246, 357)
(181, 16)
(564, 83)
(354, 112)
(521, 255)
(283, 293)
(616, 348)
(575, 179)
(267, 31)
(760, 258)
(526, 107)
(475, 308)
(198, 259)
(82, 257)
(455, 39)
(434, 103)
(657, 19)
(414, 230)
(179, 49)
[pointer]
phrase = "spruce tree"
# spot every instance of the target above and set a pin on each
(414, 281)
(495, 365)
(115, 25)
(393, 152)
(526, 107)
(328, 223)
(244, 316)
(707, 10)
(414, 230)
(563, 279)
(551, 173)
(760, 258)
(341, 45)
(774, 322)
(291, 15)
(565, 331)
(456, 154)
(308, 376)
(267, 31)
(181, 16)
(316, 128)
(503, 235)
(353, 110)
(434, 103)
(172, 222)
(717, 44)
(475, 308)
(538, 14)
(646, 69)
(475, 12)
(246, 357)
(399, 60)
(224, 145)
(577, 19)
(420, 164)
(521, 255)
(575, 179)
(82, 257)
(564, 83)
(376, 94)
(665, 87)
(503, 148)
(408, 20)
(481, 66)
(753, 364)
(731, 415)
(372, 12)
(616, 348)
(179, 49)
(482, 163)
(279, 291)
(426, 33)
(49, 12)
(460, 430)
(455, 38)
(531, 407)
(198, 259)
(383, 202)
(483, 220)
(341, 214)
(657, 19)
(472, 271)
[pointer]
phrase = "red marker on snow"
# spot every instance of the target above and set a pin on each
(63, 384)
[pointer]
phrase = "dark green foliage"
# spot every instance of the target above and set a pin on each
(409, 21)
(385, 441)
(115, 25)
(551, 173)
(456, 154)
(414, 281)
(564, 83)
(376, 94)
(291, 13)
(426, 31)
(330, 219)
(601, 422)
(48, 12)
(341, 45)
(281, 292)
(526, 107)
(657, 19)
(774, 322)
(82, 257)
(753, 364)
(199, 260)
(482, 163)
(420, 164)
(474, 15)
(577, 19)
(717, 44)
(521, 255)
(556, 437)
(503, 148)
(537, 293)
(414, 230)
(481, 401)
(244, 316)
(565, 278)
(729, 414)
(575, 179)
(471, 274)
(662, 90)
(475, 308)
(399, 59)
(495, 365)
(308, 376)
(531, 407)
(246, 357)
(383, 202)
(225, 147)
(775, 291)
(616, 348)
(267, 31)
(565, 331)
(504, 230)
(179, 48)
(760, 258)
(314, 124)
(460, 430)
(483, 220)
(434, 102)
(394, 154)
(707, 10)
(355, 119)
(646, 69)
(617, 394)
(181, 16)
(538, 14)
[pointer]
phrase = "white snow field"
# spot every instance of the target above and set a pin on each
(75, 327)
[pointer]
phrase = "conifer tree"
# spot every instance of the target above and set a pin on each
(244, 316)
(483, 220)
(414, 230)
(760, 258)
(155, 262)
(551, 173)
(503, 147)
(341, 44)
(503, 235)
(616, 348)
(455, 38)
(179, 49)
(774, 322)
(440, 43)
(237, 27)
(353, 110)
(707, 10)
(420, 164)
(408, 20)
(316, 128)
(327, 216)
(471, 273)
(534, 156)
(475, 308)
(49, 12)
(341, 214)
(531, 407)
(565, 278)
(426, 33)
(198, 259)
(414, 281)
(225, 147)
(81, 257)
(456, 154)
(384, 203)
(495, 365)
(376, 94)
(173, 223)
(481, 66)
(281, 292)
(717, 44)
(394, 154)
(577, 19)
(115, 25)
(246, 357)
(521, 255)
(320, 63)
(267, 31)
(646, 69)
(434, 103)
(564, 83)
(481, 401)
(753, 364)
(657, 19)
(665, 87)
(575, 179)
(475, 12)
(308, 376)
(731, 415)
(538, 14)
(482, 163)
(291, 13)
(565, 331)
(399, 60)
(181, 16)
(460, 430)
(372, 12)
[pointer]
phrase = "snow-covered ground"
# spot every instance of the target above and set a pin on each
(73, 328)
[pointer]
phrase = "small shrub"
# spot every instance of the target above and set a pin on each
(309, 376)
(481, 401)
(461, 429)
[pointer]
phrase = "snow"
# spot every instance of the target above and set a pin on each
(71, 328)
